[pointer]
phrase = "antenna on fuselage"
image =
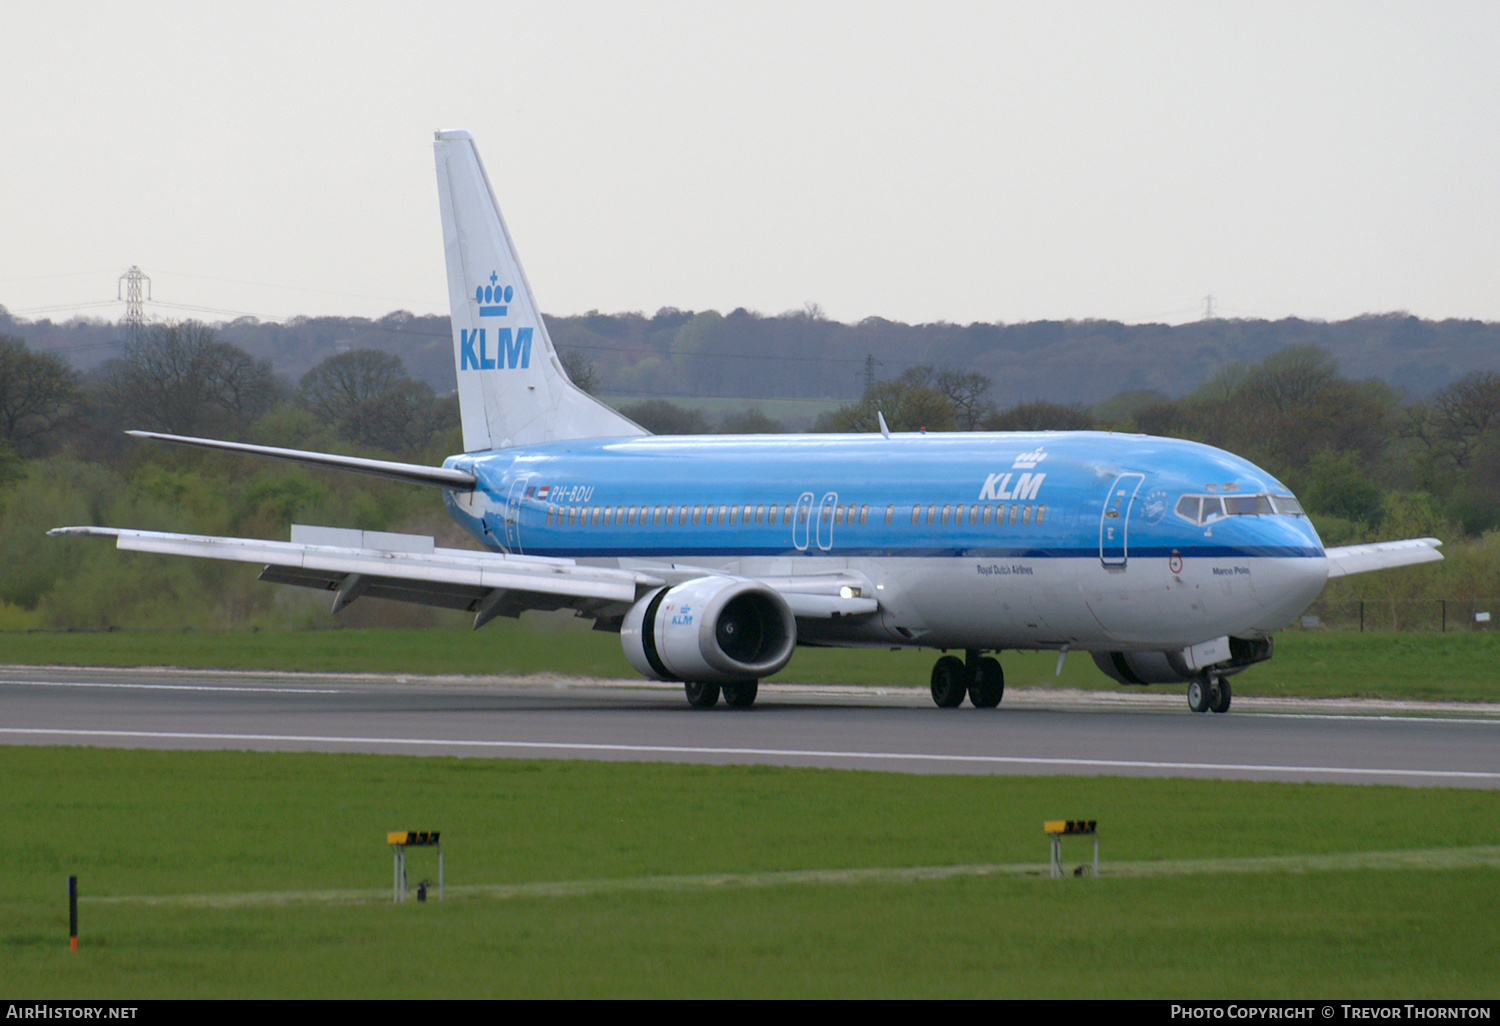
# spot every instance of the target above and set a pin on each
(883, 429)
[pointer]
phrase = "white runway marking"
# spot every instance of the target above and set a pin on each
(175, 687)
(784, 753)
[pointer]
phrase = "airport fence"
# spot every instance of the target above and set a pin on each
(1401, 615)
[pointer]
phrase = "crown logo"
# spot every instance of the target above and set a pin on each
(1027, 460)
(493, 297)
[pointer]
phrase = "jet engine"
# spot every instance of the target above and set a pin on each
(710, 630)
(1179, 666)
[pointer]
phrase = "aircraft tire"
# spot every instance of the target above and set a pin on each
(701, 696)
(742, 695)
(989, 684)
(1200, 694)
(1222, 697)
(949, 682)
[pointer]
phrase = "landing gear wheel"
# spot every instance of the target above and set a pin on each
(950, 682)
(741, 695)
(1200, 694)
(701, 696)
(989, 684)
(1221, 697)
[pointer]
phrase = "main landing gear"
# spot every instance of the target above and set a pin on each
(737, 696)
(1209, 692)
(981, 678)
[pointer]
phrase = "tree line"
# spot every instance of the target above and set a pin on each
(1367, 462)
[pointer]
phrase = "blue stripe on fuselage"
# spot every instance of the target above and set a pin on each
(1076, 471)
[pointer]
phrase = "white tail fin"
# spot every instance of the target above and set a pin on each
(511, 388)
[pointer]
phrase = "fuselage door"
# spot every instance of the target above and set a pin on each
(1114, 524)
(800, 526)
(826, 509)
(511, 529)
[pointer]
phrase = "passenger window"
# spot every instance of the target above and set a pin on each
(890, 514)
(931, 512)
(864, 513)
(1041, 513)
(916, 513)
(1013, 510)
(551, 512)
(1026, 513)
(697, 513)
(946, 509)
(987, 511)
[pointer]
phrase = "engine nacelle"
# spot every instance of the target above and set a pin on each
(710, 630)
(1179, 666)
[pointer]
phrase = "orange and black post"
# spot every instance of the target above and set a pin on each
(73, 913)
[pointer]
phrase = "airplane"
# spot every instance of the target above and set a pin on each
(714, 557)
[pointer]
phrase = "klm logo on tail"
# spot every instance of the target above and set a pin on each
(492, 298)
(511, 351)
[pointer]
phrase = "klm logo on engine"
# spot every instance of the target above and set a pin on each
(998, 487)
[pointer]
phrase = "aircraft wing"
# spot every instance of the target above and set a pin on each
(412, 568)
(409, 568)
(1359, 559)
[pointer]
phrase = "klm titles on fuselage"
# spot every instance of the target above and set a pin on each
(511, 350)
(998, 488)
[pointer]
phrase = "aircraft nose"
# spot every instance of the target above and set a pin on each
(1289, 580)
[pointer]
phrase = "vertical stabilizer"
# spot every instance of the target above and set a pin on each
(511, 388)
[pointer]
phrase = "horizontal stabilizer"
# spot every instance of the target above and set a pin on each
(412, 473)
(1360, 559)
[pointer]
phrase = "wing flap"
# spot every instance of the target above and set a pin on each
(1359, 559)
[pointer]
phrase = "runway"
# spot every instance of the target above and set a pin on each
(1033, 732)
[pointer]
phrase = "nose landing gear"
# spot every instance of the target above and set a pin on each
(1209, 692)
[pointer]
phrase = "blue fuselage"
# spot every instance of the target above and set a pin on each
(1086, 540)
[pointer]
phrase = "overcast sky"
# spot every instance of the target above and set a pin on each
(915, 161)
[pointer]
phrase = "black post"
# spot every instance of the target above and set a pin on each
(73, 913)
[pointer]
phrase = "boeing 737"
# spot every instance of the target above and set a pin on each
(713, 557)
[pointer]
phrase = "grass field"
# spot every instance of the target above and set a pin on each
(1457, 666)
(230, 874)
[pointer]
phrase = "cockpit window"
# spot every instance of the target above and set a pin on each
(1248, 505)
(1205, 509)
